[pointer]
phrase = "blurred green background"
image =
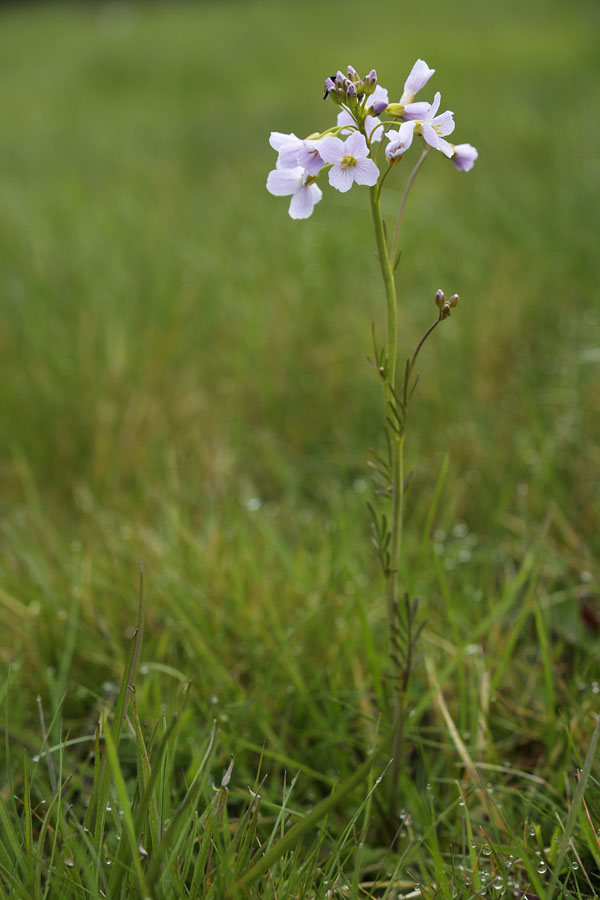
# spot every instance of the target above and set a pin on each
(185, 378)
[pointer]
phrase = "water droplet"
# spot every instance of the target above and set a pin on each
(486, 850)
(532, 832)
(509, 861)
(108, 808)
(461, 802)
(428, 786)
(541, 867)
(498, 882)
(574, 865)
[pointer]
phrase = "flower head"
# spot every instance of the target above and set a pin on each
(399, 140)
(295, 181)
(406, 109)
(464, 156)
(349, 161)
(293, 151)
(434, 127)
(418, 78)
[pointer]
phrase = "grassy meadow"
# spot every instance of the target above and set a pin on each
(185, 391)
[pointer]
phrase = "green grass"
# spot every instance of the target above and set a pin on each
(186, 388)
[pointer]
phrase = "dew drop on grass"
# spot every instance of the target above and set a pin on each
(428, 787)
(574, 865)
(461, 802)
(498, 882)
(532, 832)
(541, 867)
(486, 850)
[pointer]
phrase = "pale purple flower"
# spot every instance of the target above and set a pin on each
(464, 156)
(413, 111)
(349, 160)
(293, 151)
(373, 126)
(399, 140)
(434, 128)
(283, 182)
(287, 146)
(418, 78)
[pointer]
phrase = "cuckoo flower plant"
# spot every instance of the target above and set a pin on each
(349, 151)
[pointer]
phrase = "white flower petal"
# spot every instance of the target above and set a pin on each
(303, 201)
(445, 148)
(366, 172)
(418, 77)
(444, 124)
(341, 179)
(356, 145)
(281, 182)
(344, 118)
(416, 110)
(278, 139)
(374, 128)
(331, 149)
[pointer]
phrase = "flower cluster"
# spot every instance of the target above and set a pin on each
(364, 105)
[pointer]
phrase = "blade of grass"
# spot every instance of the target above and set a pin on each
(298, 830)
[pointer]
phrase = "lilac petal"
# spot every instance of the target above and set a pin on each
(356, 145)
(446, 148)
(303, 201)
(400, 140)
(379, 95)
(418, 77)
(434, 106)
(416, 110)
(366, 172)
(331, 149)
(374, 128)
(309, 157)
(430, 135)
(278, 139)
(281, 182)
(464, 157)
(444, 124)
(341, 179)
(344, 118)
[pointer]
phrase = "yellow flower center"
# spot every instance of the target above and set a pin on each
(348, 162)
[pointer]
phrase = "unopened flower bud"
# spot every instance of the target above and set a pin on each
(378, 107)
(340, 78)
(353, 74)
(440, 298)
(372, 77)
(453, 300)
(351, 90)
(445, 309)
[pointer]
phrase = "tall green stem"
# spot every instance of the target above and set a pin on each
(396, 436)
(389, 377)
